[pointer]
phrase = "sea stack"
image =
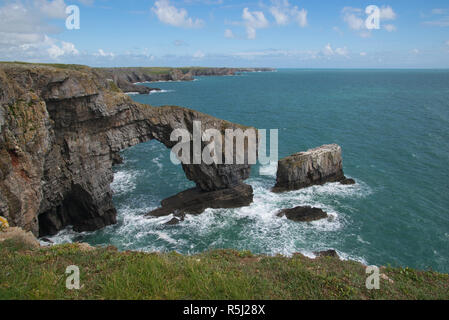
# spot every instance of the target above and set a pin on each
(313, 167)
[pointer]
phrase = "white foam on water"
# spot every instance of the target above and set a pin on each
(359, 238)
(158, 162)
(269, 169)
(265, 232)
(164, 236)
(132, 93)
(256, 227)
(161, 91)
(66, 235)
(124, 181)
(344, 257)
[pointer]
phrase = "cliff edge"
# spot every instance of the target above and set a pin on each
(61, 129)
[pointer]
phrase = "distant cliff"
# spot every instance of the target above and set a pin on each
(61, 128)
(125, 78)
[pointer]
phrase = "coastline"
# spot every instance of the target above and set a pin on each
(212, 275)
(84, 88)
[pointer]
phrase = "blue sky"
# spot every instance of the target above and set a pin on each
(274, 33)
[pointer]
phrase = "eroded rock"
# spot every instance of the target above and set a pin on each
(328, 253)
(61, 130)
(303, 214)
(347, 181)
(312, 167)
(195, 201)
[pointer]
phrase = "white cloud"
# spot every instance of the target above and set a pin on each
(173, 16)
(363, 54)
(389, 27)
(301, 17)
(342, 51)
(352, 16)
(387, 13)
(281, 17)
(253, 20)
(447, 42)
(355, 19)
(53, 9)
(25, 27)
(337, 29)
(328, 51)
(299, 55)
(415, 51)
(229, 34)
(283, 12)
(101, 53)
(199, 55)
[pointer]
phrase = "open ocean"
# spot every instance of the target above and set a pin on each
(392, 125)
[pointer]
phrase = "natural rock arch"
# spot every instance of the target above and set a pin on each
(61, 173)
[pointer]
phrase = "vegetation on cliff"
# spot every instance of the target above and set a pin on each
(27, 272)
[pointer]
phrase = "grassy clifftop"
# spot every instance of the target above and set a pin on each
(105, 273)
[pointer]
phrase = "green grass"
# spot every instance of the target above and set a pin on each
(113, 87)
(224, 274)
(77, 67)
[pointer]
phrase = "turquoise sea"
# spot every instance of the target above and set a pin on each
(393, 126)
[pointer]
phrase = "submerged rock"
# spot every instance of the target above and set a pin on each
(304, 169)
(303, 214)
(195, 201)
(347, 181)
(178, 217)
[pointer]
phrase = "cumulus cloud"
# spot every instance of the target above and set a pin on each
(253, 20)
(173, 16)
(352, 16)
(25, 30)
(66, 48)
(387, 13)
(102, 53)
(53, 9)
(390, 27)
(355, 19)
(329, 51)
(283, 12)
(229, 34)
(199, 55)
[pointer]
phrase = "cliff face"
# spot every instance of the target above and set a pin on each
(312, 167)
(125, 78)
(61, 131)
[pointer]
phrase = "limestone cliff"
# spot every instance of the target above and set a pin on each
(125, 78)
(312, 167)
(60, 131)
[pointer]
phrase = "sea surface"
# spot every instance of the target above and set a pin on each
(393, 127)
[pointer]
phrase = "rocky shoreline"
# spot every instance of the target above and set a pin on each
(128, 79)
(62, 128)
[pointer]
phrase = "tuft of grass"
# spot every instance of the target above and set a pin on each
(105, 273)
(113, 87)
